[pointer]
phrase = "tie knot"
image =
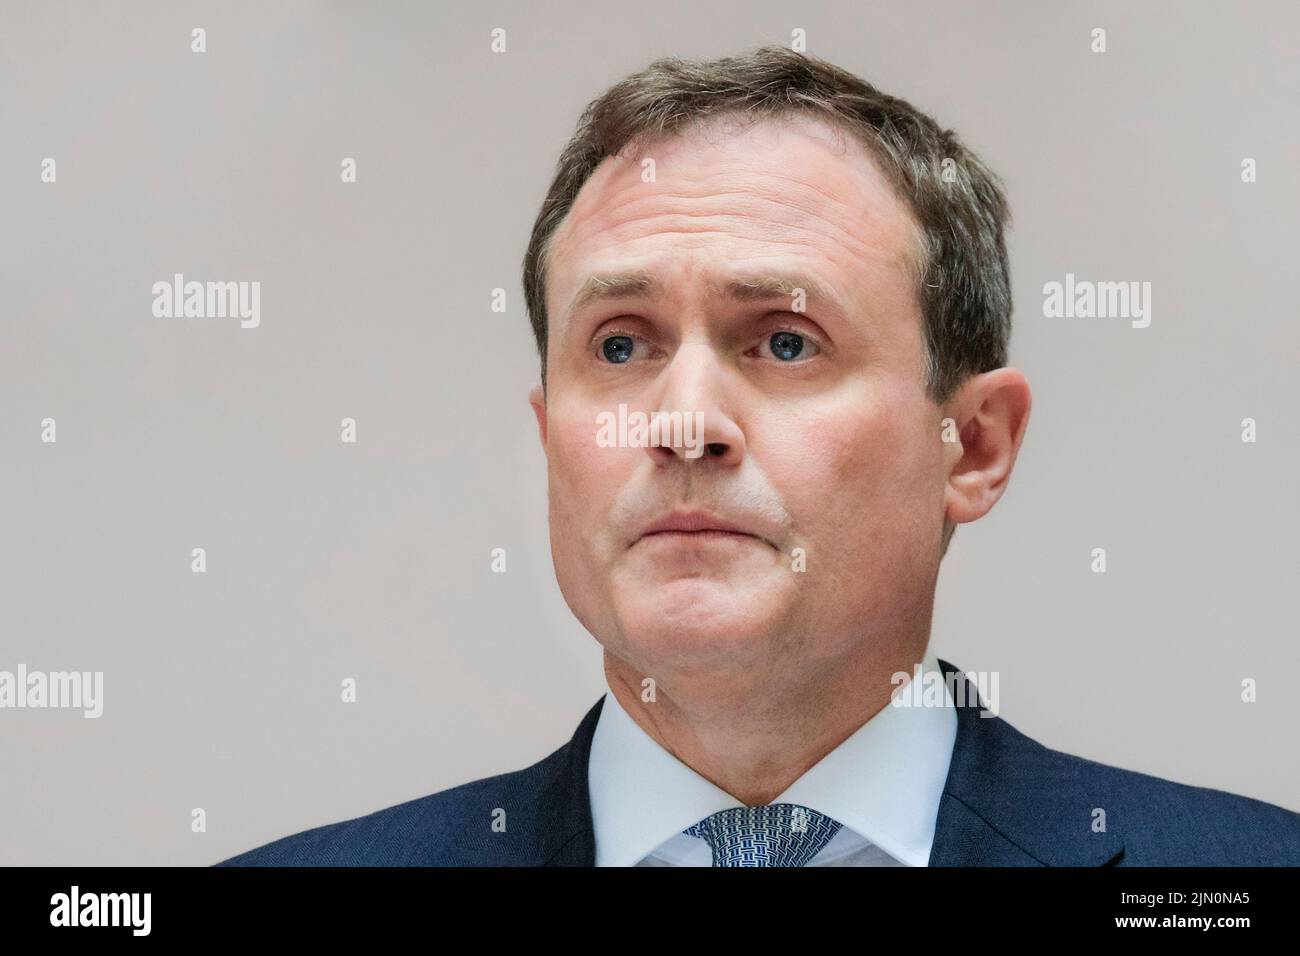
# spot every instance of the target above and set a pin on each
(778, 834)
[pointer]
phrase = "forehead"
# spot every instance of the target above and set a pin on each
(791, 189)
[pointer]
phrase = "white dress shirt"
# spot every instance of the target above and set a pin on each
(882, 783)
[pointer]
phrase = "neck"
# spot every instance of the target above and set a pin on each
(754, 737)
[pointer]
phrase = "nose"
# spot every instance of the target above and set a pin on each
(698, 386)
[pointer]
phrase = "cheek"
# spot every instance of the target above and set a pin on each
(579, 484)
(856, 474)
(583, 477)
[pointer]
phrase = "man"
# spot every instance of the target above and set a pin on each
(816, 272)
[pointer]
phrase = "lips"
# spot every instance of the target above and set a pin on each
(692, 521)
(698, 523)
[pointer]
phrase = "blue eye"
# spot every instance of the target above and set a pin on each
(618, 348)
(786, 345)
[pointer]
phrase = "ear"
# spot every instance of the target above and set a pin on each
(537, 398)
(991, 412)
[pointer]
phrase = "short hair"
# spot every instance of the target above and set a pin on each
(963, 279)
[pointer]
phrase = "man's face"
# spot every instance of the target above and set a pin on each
(822, 444)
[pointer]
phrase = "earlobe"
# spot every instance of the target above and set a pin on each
(537, 399)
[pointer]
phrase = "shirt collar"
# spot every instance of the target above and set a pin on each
(884, 782)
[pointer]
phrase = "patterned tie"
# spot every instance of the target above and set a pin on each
(779, 834)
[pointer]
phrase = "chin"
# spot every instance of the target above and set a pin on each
(696, 615)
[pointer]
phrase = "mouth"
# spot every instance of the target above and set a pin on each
(697, 526)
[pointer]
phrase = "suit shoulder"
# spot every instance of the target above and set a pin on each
(1168, 823)
(449, 828)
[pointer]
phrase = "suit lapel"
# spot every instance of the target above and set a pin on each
(569, 838)
(1009, 801)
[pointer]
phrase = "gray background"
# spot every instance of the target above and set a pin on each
(371, 561)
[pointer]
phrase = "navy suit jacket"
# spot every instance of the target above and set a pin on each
(1007, 801)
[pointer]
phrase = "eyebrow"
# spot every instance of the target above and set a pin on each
(748, 288)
